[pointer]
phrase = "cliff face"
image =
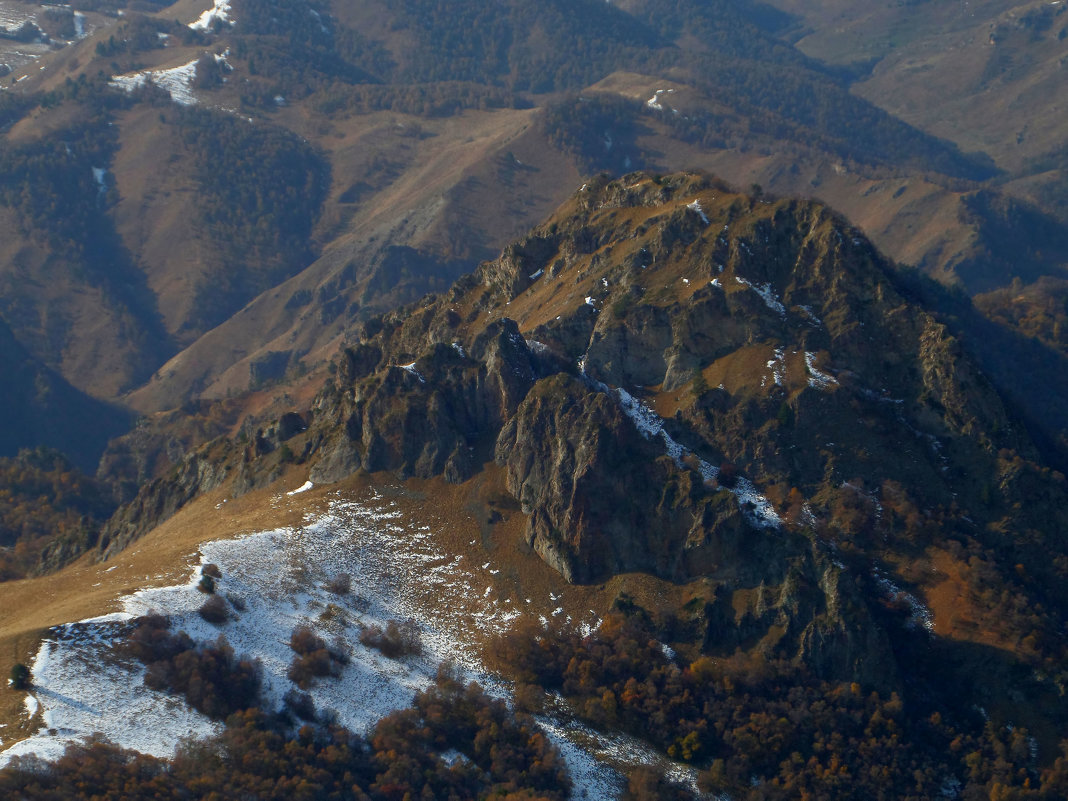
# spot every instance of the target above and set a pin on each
(684, 381)
(766, 335)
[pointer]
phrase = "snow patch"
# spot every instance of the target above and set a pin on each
(817, 378)
(176, 81)
(777, 365)
(410, 368)
(767, 294)
(919, 615)
(757, 509)
(307, 485)
(219, 11)
(654, 101)
(538, 348)
(100, 176)
(398, 571)
(695, 207)
(811, 315)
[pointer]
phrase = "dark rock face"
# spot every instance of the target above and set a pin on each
(602, 498)
(202, 471)
(433, 416)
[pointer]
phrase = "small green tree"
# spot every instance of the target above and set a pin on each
(785, 415)
(20, 676)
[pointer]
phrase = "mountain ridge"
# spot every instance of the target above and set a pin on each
(732, 427)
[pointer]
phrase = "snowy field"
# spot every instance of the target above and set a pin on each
(278, 580)
(13, 15)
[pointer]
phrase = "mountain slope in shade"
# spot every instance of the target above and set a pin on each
(41, 408)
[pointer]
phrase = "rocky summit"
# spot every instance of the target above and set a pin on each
(733, 393)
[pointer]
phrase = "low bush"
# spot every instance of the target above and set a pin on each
(20, 676)
(300, 704)
(215, 610)
(341, 584)
(313, 658)
(211, 569)
(398, 639)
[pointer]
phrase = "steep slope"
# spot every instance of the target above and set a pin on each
(737, 396)
(986, 75)
(406, 165)
(41, 408)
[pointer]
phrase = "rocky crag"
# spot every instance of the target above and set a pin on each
(709, 387)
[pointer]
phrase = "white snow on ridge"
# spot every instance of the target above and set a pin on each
(654, 101)
(811, 316)
(919, 614)
(410, 368)
(767, 294)
(206, 21)
(176, 81)
(695, 207)
(777, 365)
(817, 378)
(100, 176)
(755, 506)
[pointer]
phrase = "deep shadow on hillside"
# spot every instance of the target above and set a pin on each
(40, 408)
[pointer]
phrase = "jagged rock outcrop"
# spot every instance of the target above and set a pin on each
(603, 499)
(203, 471)
(436, 415)
(781, 388)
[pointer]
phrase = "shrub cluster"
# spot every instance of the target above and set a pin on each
(313, 658)
(212, 679)
(764, 729)
(259, 756)
(400, 638)
(215, 610)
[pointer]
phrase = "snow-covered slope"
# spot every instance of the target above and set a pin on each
(275, 581)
